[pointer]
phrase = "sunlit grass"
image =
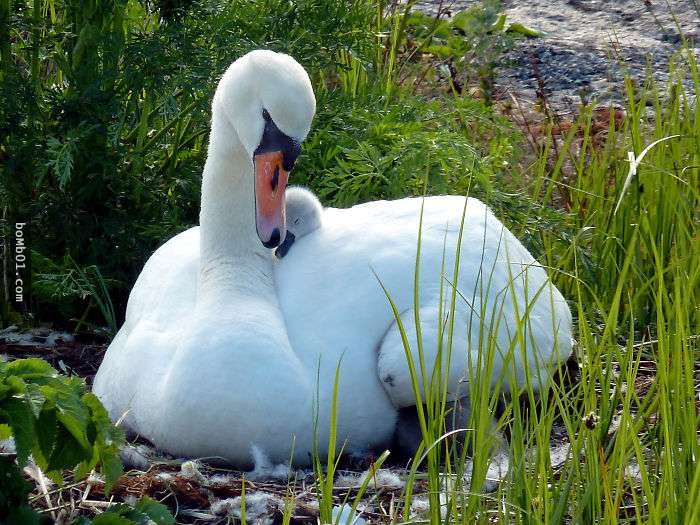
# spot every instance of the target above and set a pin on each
(627, 425)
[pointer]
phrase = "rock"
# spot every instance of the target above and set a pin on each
(586, 44)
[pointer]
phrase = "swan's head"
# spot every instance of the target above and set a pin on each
(268, 100)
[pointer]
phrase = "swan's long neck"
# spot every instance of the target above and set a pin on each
(233, 262)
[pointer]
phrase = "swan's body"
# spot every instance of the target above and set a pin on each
(225, 347)
(304, 214)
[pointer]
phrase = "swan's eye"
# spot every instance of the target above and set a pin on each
(266, 115)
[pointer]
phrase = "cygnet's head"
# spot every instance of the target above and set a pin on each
(304, 215)
(268, 100)
(304, 211)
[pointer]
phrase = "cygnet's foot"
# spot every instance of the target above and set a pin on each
(283, 248)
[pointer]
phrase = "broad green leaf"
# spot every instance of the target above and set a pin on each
(36, 398)
(107, 432)
(109, 518)
(4, 390)
(108, 439)
(72, 413)
(31, 368)
(120, 509)
(46, 429)
(67, 452)
(138, 517)
(111, 468)
(16, 412)
(85, 467)
(155, 510)
(5, 431)
(16, 385)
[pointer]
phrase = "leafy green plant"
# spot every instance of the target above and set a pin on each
(63, 282)
(146, 511)
(57, 421)
(63, 427)
(469, 44)
(384, 151)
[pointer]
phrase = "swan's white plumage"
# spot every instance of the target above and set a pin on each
(222, 345)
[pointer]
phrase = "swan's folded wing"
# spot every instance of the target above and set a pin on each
(166, 290)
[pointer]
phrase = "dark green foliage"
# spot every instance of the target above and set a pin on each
(13, 496)
(55, 419)
(105, 117)
(146, 512)
(65, 286)
(471, 43)
(63, 427)
(173, 10)
(381, 150)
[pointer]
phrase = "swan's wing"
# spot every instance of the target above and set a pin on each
(160, 305)
(166, 289)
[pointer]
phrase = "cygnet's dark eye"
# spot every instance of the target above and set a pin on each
(266, 115)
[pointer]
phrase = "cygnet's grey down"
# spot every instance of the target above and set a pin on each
(303, 211)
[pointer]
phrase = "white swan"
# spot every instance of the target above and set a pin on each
(304, 214)
(225, 347)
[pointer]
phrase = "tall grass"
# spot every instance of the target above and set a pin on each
(324, 477)
(629, 423)
(659, 210)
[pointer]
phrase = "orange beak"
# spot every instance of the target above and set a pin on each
(270, 183)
